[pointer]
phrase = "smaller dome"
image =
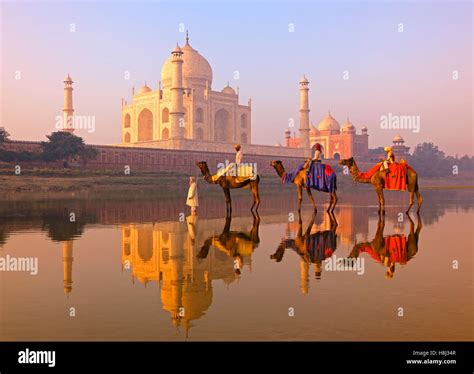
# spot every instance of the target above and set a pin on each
(364, 129)
(177, 49)
(398, 139)
(348, 126)
(144, 89)
(228, 90)
(277, 145)
(329, 124)
(68, 79)
(313, 131)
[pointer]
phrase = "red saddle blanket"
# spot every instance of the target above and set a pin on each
(396, 178)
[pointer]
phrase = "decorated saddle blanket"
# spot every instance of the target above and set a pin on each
(241, 172)
(396, 178)
(319, 176)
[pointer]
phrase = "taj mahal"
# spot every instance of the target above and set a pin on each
(185, 113)
(184, 106)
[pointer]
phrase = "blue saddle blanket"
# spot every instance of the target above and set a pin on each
(319, 176)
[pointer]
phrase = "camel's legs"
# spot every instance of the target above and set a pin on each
(334, 200)
(412, 194)
(300, 196)
(381, 200)
(310, 195)
(256, 196)
(228, 202)
(419, 198)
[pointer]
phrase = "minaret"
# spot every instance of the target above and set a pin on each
(304, 114)
(68, 109)
(177, 108)
(287, 137)
(67, 266)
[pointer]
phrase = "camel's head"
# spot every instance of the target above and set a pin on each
(348, 162)
(202, 165)
(276, 163)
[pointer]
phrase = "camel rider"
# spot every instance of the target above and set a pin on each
(389, 160)
(316, 156)
(317, 152)
(238, 155)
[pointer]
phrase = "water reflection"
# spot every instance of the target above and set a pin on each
(313, 246)
(167, 253)
(392, 249)
(239, 245)
(183, 259)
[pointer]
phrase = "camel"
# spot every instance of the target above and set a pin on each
(227, 182)
(377, 245)
(300, 182)
(378, 181)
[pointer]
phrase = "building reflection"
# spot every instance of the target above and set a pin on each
(67, 266)
(167, 254)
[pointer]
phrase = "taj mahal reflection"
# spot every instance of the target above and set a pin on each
(167, 254)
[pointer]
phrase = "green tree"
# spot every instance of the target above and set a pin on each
(66, 147)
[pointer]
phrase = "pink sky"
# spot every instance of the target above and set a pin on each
(409, 73)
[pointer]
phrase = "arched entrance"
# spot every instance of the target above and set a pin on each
(145, 125)
(222, 128)
(126, 121)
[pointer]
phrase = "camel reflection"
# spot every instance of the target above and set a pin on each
(239, 245)
(391, 249)
(312, 246)
(165, 253)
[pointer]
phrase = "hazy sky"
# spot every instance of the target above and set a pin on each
(403, 73)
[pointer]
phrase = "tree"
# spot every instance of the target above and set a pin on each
(4, 135)
(429, 161)
(63, 146)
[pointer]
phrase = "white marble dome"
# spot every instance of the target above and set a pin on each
(195, 67)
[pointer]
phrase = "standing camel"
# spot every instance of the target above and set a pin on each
(227, 182)
(378, 181)
(300, 182)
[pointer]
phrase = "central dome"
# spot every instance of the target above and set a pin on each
(195, 67)
(329, 124)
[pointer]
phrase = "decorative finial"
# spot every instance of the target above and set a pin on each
(187, 37)
(227, 83)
